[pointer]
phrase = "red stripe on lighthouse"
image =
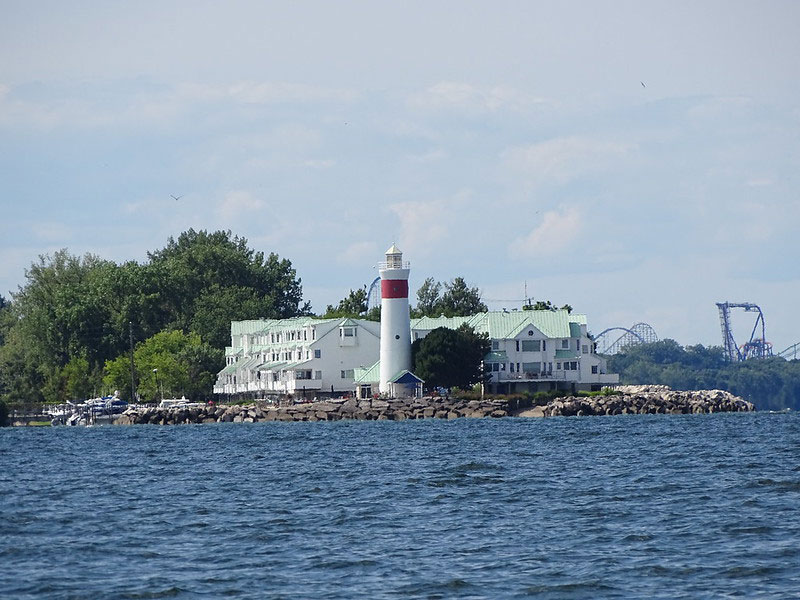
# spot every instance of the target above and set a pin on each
(394, 288)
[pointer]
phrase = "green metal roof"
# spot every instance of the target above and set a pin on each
(574, 330)
(271, 366)
(248, 363)
(228, 369)
(368, 374)
(267, 325)
(566, 354)
(503, 325)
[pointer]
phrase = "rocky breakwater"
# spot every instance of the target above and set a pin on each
(655, 399)
(328, 410)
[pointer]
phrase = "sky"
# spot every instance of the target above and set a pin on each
(637, 160)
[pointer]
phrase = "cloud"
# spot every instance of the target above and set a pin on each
(121, 103)
(321, 163)
(449, 95)
(428, 225)
(563, 159)
(282, 92)
(359, 253)
(238, 206)
(553, 235)
(52, 232)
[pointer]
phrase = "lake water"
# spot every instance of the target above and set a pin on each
(650, 506)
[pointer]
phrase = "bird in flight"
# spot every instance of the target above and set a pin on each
(176, 197)
(643, 85)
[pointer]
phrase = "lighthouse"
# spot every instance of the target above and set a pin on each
(395, 325)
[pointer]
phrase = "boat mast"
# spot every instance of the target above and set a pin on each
(133, 380)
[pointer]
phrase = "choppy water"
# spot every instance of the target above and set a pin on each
(691, 506)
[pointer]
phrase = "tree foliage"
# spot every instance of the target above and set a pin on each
(457, 300)
(178, 363)
(771, 384)
(545, 305)
(450, 357)
(353, 305)
(76, 313)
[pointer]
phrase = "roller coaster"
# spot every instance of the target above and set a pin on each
(374, 294)
(615, 339)
(755, 347)
(791, 353)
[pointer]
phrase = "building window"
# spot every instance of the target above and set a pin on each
(565, 344)
(511, 367)
(348, 332)
(317, 353)
(317, 374)
(347, 374)
(517, 345)
(532, 367)
(314, 333)
(531, 345)
(544, 345)
(594, 369)
(495, 345)
(585, 349)
(558, 366)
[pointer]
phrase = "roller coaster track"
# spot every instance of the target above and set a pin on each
(374, 294)
(755, 347)
(791, 353)
(608, 342)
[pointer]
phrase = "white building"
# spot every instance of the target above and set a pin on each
(532, 350)
(305, 356)
(300, 356)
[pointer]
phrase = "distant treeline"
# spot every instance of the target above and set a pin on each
(66, 334)
(770, 384)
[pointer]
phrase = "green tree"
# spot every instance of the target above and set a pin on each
(771, 384)
(178, 363)
(544, 305)
(428, 298)
(199, 264)
(353, 305)
(86, 307)
(6, 319)
(457, 300)
(450, 357)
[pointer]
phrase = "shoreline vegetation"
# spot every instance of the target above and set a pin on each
(629, 400)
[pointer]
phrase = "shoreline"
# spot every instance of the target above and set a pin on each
(631, 400)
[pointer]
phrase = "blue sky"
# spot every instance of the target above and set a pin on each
(638, 160)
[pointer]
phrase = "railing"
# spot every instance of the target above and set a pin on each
(400, 264)
(504, 376)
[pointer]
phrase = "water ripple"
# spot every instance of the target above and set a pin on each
(684, 506)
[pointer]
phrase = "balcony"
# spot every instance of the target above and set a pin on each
(394, 264)
(298, 385)
(549, 376)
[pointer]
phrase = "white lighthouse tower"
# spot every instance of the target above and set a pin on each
(395, 325)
